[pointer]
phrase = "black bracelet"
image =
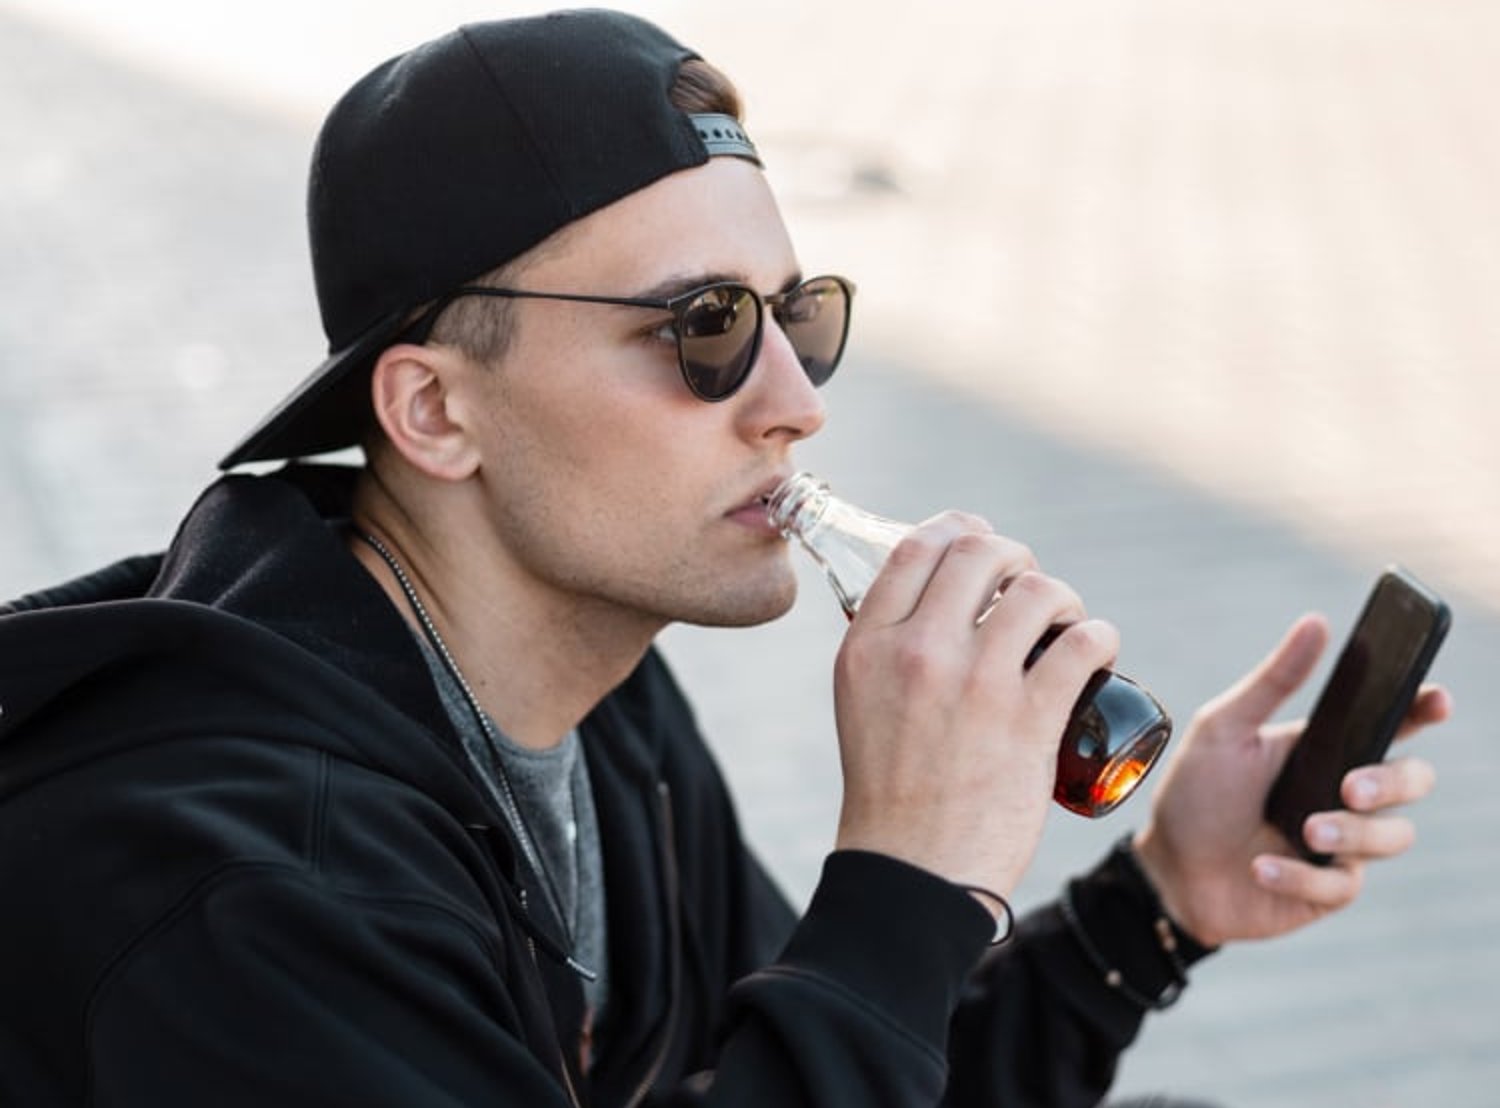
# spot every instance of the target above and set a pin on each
(1169, 941)
(1112, 976)
(1005, 926)
(1165, 927)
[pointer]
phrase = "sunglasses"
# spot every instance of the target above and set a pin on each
(719, 327)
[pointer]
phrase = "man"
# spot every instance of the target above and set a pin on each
(372, 788)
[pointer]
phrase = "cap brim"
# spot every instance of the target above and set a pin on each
(330, 410)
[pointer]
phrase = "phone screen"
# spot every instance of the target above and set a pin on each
(1356, 715)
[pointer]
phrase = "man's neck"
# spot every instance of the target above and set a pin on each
(537, 660)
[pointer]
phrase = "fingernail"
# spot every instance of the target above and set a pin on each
(1324, 834)
(1365, 790)
(1268, 870)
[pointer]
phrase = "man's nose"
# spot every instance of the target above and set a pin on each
(779, 397)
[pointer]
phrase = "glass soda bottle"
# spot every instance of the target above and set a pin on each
(1116, 731)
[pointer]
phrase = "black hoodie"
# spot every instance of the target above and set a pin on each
(244, 861)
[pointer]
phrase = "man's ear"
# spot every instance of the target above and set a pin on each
(411, 388)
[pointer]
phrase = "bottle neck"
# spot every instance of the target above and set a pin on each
(848, 544)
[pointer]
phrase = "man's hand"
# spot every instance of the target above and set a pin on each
(949, 743)
(1222, 871)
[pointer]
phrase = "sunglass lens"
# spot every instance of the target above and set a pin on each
(815, 317)
(717, 333)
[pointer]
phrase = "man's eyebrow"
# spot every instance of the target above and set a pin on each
(678, 284)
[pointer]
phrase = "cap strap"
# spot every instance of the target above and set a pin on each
(723, 135)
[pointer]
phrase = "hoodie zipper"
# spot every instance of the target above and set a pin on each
(668, 859)
(562, 1061)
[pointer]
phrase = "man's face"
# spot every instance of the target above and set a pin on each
(606, 479)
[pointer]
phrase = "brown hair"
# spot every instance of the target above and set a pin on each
(700, 87)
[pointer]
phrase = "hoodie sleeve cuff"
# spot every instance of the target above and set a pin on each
(1119, 927)
(900, 937)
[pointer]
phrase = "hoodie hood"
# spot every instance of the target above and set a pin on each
(225, 629)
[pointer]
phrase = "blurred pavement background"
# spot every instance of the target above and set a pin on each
(1198, 299)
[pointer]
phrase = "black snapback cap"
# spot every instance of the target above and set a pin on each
(459, 156)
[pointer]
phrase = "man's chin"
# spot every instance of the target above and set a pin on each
(750, 611)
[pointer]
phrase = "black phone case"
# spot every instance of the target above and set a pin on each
(1309, 782)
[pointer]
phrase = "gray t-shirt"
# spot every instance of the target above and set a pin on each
(551, 789)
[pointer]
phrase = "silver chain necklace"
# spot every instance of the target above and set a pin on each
(513, 812)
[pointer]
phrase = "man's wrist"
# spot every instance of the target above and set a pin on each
(1160, 878)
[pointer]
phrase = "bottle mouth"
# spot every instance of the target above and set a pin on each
(796, 503)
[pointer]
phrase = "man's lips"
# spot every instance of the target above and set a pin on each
(752, 511)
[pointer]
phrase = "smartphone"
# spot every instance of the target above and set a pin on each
(1368, 693)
